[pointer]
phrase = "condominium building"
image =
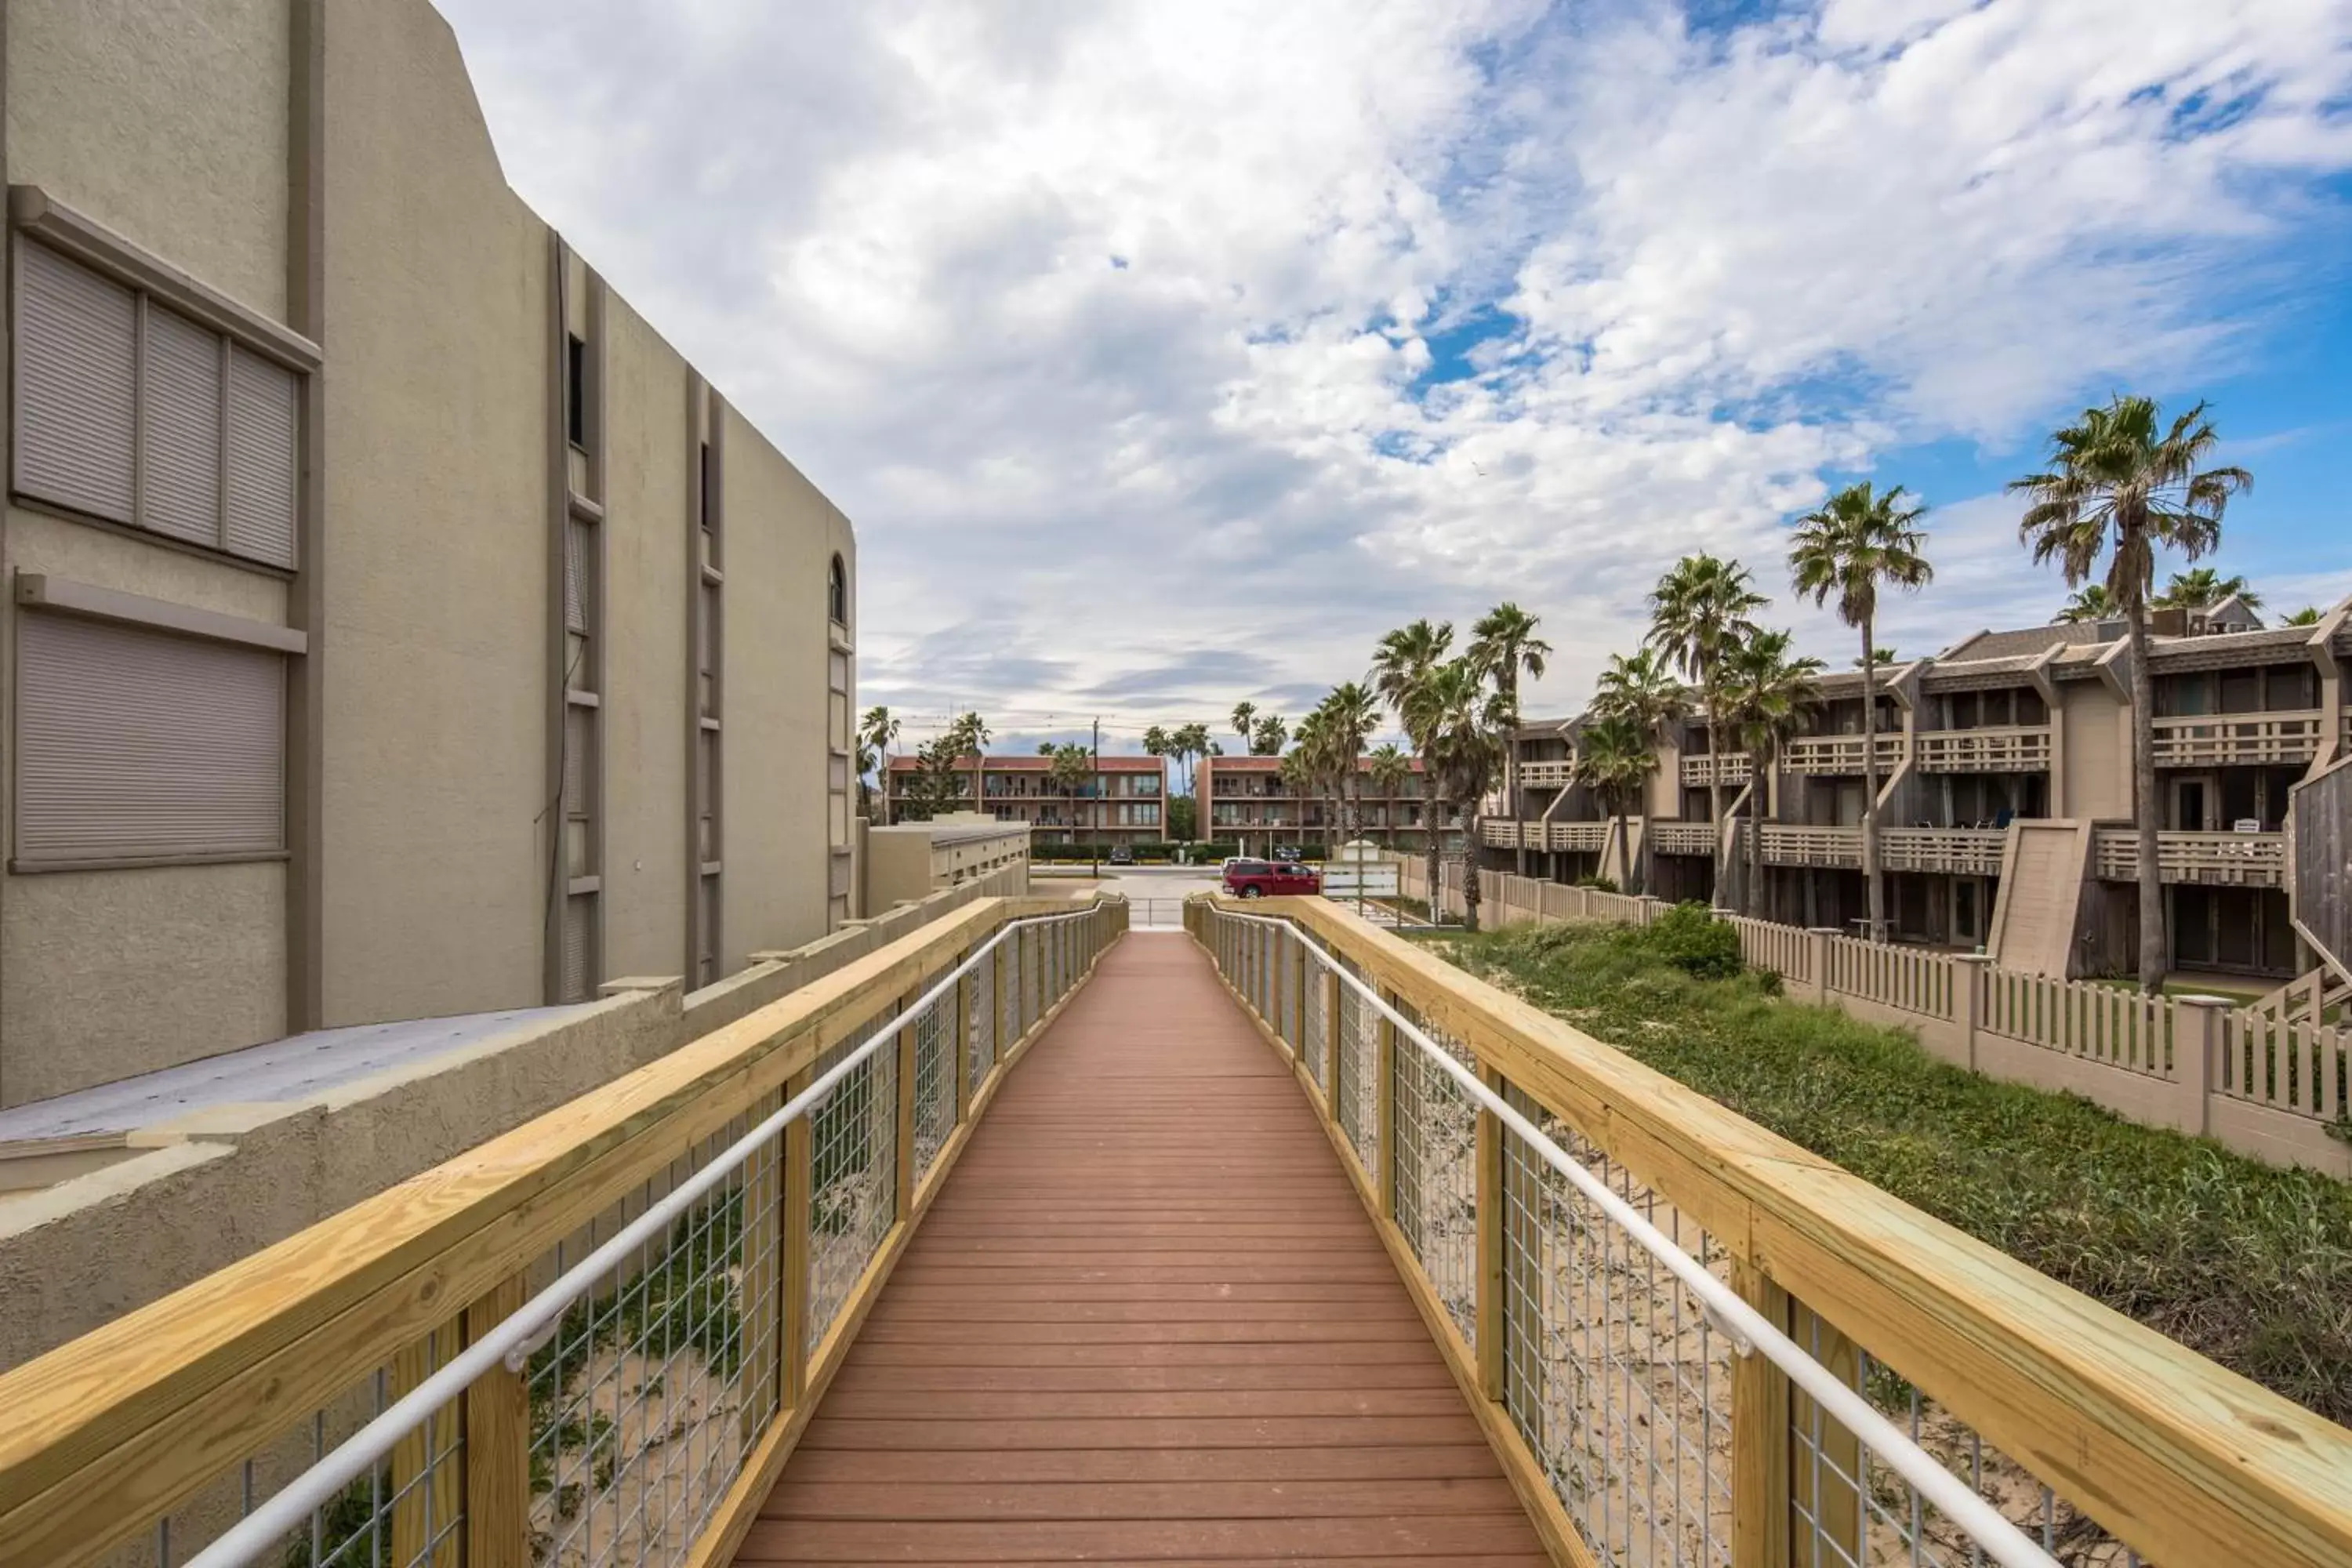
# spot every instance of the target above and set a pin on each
(1123, 801)
(380, 581)
(1247, 801)
(2006, 804)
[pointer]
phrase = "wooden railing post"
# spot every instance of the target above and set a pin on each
(794, 1223)
(1824, 1458)
(497, 1415)
(1488, 1218)
(1760, 1437)
(425, 1462)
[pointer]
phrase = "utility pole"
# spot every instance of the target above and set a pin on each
(1098, 803)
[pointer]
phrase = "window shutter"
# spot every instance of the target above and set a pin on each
(132, 744)
(262, 405)
(180, 429)
(577, 909)
(578, 551)
(76, 356)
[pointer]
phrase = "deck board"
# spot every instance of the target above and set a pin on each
(1146, 1320)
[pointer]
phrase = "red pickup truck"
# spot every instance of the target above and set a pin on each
(1269, 879)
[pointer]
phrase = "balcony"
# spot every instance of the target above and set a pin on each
(2212, 860)
(2237, 739)
(1561, 838)
(1699, 771)
(1947, 851)
(1683, 838)
(1990, 750)
(1829, 755)
(1552, 774)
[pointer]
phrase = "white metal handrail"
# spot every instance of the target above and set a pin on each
(512, 1340)
(1749, 1330)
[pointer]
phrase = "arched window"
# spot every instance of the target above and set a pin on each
(838, 593)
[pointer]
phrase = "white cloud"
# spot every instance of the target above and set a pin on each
(1103, 322)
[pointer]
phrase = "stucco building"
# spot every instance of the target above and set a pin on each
(397, 626)
(1122, 801)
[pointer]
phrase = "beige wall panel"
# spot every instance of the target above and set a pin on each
(2098, 754)
(644, 648)
(39, 542)
(780, 533)
(164, 119)
(140, 970)
(436, 869)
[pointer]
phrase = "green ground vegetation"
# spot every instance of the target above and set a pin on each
(2246, 1264)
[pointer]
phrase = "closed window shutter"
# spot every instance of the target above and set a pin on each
(577, 911)
(180, 429)
(262, 405)
(135, 745)
(77, 357)
(578, 551)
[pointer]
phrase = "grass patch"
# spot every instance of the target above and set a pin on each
(2245, 1263)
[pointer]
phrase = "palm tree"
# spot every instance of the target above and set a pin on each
(1073, 769)
(1641, 688)
(2091, 601)
(1244, 715)
(969, 735)
(1769, 692)
(1191, 744)
(2122, 477)
(2202, 588)
(1615, 756)
(1848, 548)
(1503, 642)
(1308, 769)
(2306, 616)
(878, 729)
(1698, 613)
(1402, 665)
(1386, 767)
(1269, 735)
(1351, 712)
(1046, 748)
(1452, 708)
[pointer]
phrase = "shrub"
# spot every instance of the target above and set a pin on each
(1599, 884)
(1691, 939)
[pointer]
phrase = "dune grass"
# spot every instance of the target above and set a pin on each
(2246, 1264)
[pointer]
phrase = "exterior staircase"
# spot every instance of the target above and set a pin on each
(2040, 905)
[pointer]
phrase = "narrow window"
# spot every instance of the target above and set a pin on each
(837, 594)
(575, 391)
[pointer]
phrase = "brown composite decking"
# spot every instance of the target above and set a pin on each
(1146, 1320)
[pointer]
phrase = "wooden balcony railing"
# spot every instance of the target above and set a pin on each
(2213, 859)
(1698, 772)
(1837, 848)
(1551, 773)
(2039, 1394)
(2021, 749)
(1683, 838)
(1953, 851)
(1563, 838)
(1817, 755)
(2239, 738)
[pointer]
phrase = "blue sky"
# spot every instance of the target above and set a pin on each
(1163, 357)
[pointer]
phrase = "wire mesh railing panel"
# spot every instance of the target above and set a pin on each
(935, 1092)
(981, 1012)
(1356, 1061)
(853, 1180)
(1612, 1372)
(656, 1383)
(1849, 1508)
(1437, 1192)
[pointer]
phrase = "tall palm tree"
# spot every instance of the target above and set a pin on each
(969, 735)
(1268, 735)
(1072, 770)
(1615, 756)
(1245, 716)
(2202, 588)
(1503, 642)
(1386, 768)
(2091, 601)
(878, 728)
(1308, 766)
(1353, 713)
(1698, 613)
(1640, 686)
(1191, 746)
(2120, 476)
(1846, 549)
(2306, 616)
(1453, 708)
(1404, 656)
(1769, 692)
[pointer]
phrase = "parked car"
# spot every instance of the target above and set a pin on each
(1122, 855)
(1285, 852)
(1269, 879)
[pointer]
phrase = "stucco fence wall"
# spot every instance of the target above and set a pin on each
(210, 1188)
(2281, 1092)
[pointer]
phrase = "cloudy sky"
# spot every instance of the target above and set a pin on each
(1166, 354)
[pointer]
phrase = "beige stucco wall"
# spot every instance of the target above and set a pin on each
(436, 558)
(164, 119)
(645, 601)
(781, 534)
(2094, 780)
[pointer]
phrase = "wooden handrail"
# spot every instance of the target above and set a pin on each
(2190, 1464)
(118, 1426)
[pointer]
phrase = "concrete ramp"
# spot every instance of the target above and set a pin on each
(2041, 899)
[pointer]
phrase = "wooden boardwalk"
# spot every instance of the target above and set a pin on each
(1146, 1320)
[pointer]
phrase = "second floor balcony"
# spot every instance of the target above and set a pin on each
(1683, 838)
(1561, 837)
(1552, 774)
(2212, 860)
(1950, 851)
(2239, 740)
(1700, 770)
(1829, 755)
(2018, 749)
